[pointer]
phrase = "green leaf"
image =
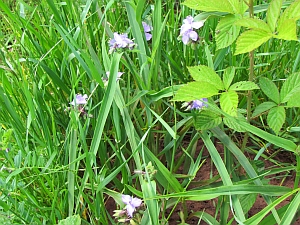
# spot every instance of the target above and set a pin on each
(273, 13)
(229, 102)
(243, 86)
(239, 7)
(247, 201)
(289, 87)
(206, 74)
(207, 119)
(195, 90)
(210, 6)
(270, 89)
(287, 30)
(253, 23)
(263, 107)
(276, 118)
(294, 100)
(228, 77)
(226, 31)
(74, 220)
(251, 40)
(229, 122)
(291, 12)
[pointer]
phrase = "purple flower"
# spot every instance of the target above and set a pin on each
(147, 29)
(186, 31)
(196, 104)
(131, 204)
(120, 41)
(79, 100)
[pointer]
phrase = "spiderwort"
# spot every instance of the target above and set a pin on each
(147, 29)
(105, 79)
(186, 31)
(196, 104)
(79, 100)
(131, 204)
(120, 41)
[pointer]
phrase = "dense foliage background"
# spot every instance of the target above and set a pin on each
(65, 163)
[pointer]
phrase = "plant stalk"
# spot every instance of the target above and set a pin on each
(251, 78)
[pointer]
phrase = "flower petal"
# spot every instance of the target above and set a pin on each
(126, 199)
(136, 202)
(193, 35)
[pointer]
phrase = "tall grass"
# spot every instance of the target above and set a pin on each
(57, 161)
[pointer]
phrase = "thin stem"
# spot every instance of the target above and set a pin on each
(251, 78)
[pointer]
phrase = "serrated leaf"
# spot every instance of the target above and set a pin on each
(251, 40)
(270, 89)
(207, 119)
(273, 13)
(263, 107)
(243, 86)
(229, 102)
(228, 76)
(253, 23)
(210, 6)
(226, 31)
(291, 12)
(247, 201)
(239, 6)
(276, 118)
(287, 30)
(294, 100)
(74, 220)
(289, 87)
(231, 123)
(195, 90)
(206, 74)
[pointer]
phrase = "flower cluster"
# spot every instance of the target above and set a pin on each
(147, 29)
(120, 41)
(187, 32)
(196, 104)
(126, 214)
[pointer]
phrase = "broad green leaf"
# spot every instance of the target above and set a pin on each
(270, 89)
(74, 220)
(206, 74)
(226, 31)
(287, 30)
(253, 23)
(195, 90)
(273, 13)
(243, 86)
(207, 119)
(291, 12)
(289, 87)
(294, 100)
(251, 40)
(276, 118)
(239, 7)
(229, 102)
(228, 77)
(210, 6)
(229, 122)
(263, 107)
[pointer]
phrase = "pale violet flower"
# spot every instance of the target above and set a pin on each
(147, 29)
(105, 79)
(186, 31)
(131, 204)
(79, 100)
(120, 41)
(196, 104)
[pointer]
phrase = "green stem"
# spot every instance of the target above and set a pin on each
(251, 78)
